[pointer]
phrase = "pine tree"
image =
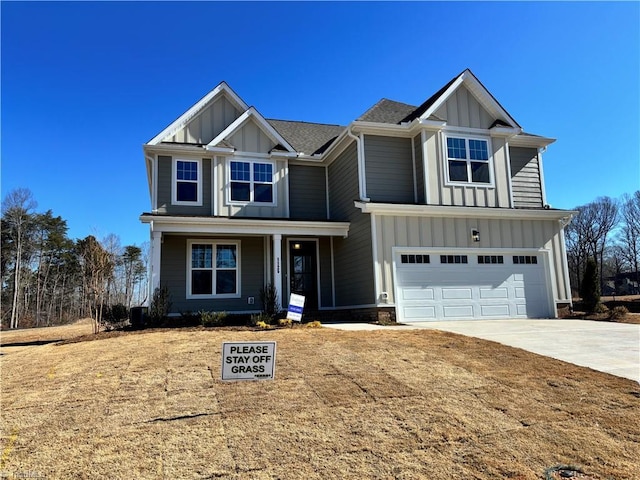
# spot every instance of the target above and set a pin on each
(590, 291)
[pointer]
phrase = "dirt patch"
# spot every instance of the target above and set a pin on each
(381, 404)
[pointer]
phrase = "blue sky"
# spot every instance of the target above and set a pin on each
(85, 84)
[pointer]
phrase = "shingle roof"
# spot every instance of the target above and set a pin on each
(387, 111)
(306, 137)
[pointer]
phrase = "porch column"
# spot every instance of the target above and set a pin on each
(277, 267)
(156, 246)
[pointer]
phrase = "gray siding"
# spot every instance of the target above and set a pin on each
(173, 269)
(307, 193)
(281, 194)
(353, 255)
(251, 138)
(207, 124)
(525, 177)
(165, 165)
(463, 110)
(419, 163)
(324, 263)
(389, 169)
(441, 193)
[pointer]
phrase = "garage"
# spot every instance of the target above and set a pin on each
(461, 285)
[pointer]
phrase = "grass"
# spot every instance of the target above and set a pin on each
(380, 405)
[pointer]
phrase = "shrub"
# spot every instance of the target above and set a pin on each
(314, 324)
(285, 322)
(589, 290)
(269, 300)
(259, 317)
(114, 316)
(618, 312)
(263, 325)
(600, 308)
(160, 306)
(212, 319)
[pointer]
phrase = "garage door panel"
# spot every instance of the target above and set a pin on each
(414, 293)
(458, 311)
(495, 310)
(500, 292)
(415, 313)
(457, 293)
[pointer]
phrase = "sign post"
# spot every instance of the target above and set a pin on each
(296, 306)
(248, 360)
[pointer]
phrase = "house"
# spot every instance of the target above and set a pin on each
(417, 213)
(625, 283)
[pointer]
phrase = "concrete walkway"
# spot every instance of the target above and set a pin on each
(607, 347)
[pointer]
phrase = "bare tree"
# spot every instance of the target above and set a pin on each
(97, 269)
(587, 235)
(17, 216)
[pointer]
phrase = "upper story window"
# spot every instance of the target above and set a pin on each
(468, 160)
(187, 182)
(251, 182)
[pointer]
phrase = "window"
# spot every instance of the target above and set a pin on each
(490, 259)
(454, 259)
(468, 160)
(251, 182)
(213, 269)
(525, 260)
(415, 259)
(187, 182)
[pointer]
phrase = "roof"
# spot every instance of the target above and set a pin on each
(387, 111)
(306, 137)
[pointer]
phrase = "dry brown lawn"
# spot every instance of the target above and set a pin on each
(362, 405)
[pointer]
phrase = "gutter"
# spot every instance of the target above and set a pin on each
(362, 185)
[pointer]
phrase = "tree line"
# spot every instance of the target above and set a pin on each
(50, 279)
(606, 231)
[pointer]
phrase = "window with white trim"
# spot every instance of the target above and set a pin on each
(187, 182)
(468, 160)
(251, 182)
(213, 269)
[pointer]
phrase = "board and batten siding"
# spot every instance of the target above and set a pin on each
(441, 193)
(307, 193)
(173, 268)
(525, 177)
(419, 164)
(352, 255)
(208, 124)
(436, 232)
(389, 169)
(251, 138)
(253, 210)
(463, 110)
(165, 179)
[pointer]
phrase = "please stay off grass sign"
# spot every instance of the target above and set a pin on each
(248, 360)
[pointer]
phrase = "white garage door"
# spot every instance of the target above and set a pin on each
(455, 286)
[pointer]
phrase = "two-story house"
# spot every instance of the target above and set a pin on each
(427, 212)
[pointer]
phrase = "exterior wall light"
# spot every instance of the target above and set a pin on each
(475, 235)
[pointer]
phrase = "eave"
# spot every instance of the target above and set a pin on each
(407, 210)
(243, 226)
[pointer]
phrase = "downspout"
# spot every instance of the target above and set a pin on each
(362, 189)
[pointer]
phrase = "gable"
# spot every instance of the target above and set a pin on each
(205, 126)
(251, 138)
(462, 109)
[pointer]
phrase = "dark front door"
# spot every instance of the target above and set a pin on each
(303, 272)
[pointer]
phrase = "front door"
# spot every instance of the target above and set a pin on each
(303, 274)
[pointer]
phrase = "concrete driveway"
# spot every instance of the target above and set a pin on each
(607, 347)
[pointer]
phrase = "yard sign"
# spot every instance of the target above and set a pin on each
(248, 360)
(296, 306)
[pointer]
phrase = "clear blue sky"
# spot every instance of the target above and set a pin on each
(85, 84)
